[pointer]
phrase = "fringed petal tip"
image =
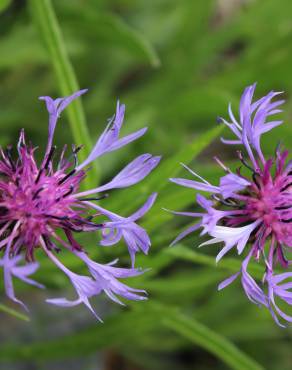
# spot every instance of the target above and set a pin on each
(186, 232)
(76, 94)
(228, 281)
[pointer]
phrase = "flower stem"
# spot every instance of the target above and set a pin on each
(44, 17)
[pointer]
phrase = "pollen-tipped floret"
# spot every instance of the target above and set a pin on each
(255, 210)
(38, 201)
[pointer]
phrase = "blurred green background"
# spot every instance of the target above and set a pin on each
(176, 65)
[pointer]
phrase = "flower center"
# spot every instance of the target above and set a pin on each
(39, 198)
(271, 203)
(264, 207)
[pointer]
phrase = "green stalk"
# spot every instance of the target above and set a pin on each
(44, 17)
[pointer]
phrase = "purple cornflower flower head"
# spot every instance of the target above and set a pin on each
(36, 202)
(251, 213)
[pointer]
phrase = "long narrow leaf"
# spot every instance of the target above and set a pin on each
(13, 312)
(231, 264)
(201, 335)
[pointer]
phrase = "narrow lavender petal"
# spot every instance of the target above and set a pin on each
(285, 286)
(246, 99)
(242, 242)
(283, 314)
(106, 277)
(63, 302)
(212, 215)
(55, 107)
(211, 241)
(111, 215)
(254, 293)
(123, 272)
(285, 295)
(195, 185)
(134, 235)
(67, 100)
(109, 140)
(137, 240)
(112, 131)
(235, 128)
(228, 281)
(52, 119)
(9, 289)
(252, 290)
(145, 208)
(85, 286)
(223, 251)
(231, 115)
(267, 108)
(280, 277)
(111, 238)
(204, 202)
(269, 126)
(128, 139)
(267, 98)
(119, 117)
(28, 269)
(272, 291)
(133, 173)
(185, 233)
(253, 121)
(275, 318)
(232, 237)
(230, 142)
(22, 272)
(99, 151)
(231, 184)
(282, 291)
(119, 220)
(188, 214)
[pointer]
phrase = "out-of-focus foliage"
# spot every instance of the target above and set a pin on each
(176, 65)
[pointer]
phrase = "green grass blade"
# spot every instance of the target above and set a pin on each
(231, 264)
(112, 30)
(216, 344)
(201, 335)
(129, 36)
(13, 312)
(43, 15)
